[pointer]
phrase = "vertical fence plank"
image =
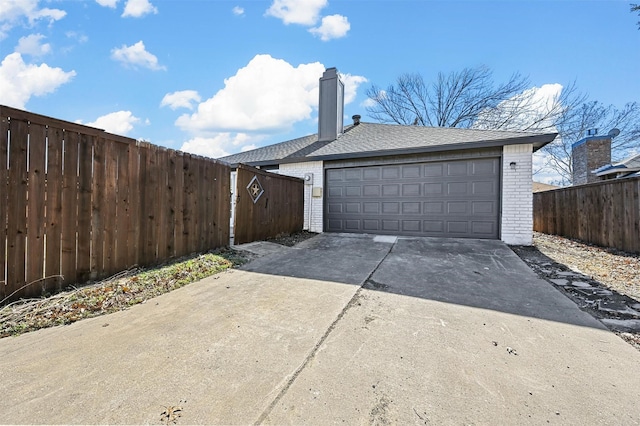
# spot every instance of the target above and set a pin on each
(98, 215)
(17, 220)
(178, 192)
(85, 166)
(170, 219)
(161, 229)
(133, 237)
(70, 207)
(110, 207)
(53, 254)
(36, 206)
(4, 145)
(187, 233)
(123, 215)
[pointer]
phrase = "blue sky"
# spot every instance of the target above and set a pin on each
(216, 77)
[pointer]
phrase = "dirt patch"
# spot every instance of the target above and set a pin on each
(291, 240)
(603, 282)
(117, 293)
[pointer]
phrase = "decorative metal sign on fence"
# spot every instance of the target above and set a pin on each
(255, 189)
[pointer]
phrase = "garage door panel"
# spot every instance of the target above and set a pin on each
(450, 198)
(334, 191)
(411, 190)
(409, 208)
(409, 172)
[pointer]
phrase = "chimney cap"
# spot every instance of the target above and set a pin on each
(356, 119)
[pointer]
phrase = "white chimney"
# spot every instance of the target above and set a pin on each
(331, 106)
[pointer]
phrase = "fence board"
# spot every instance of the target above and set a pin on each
(133, 237)
(603, 213)
(17, 195)
(271, 214)
(85, 160)
(97, 218)
(161, 207)
(4, 144)
(110, 208)
(69, 207)
(35, 205)
(178, 192)
(53, 254)
(123, 218)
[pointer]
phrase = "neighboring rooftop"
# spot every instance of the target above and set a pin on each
(624, 167)
(541, 187)
(372, 139)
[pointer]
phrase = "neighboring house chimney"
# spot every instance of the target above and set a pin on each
(331, 106)
(589, 154)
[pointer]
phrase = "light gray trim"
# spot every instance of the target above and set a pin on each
(415, 158)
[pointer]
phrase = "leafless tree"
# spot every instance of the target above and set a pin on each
(636, 8)
(453, 100)
(471, 99)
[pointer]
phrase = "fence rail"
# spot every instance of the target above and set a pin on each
(78, 204)
(603, 213)
(279, 207)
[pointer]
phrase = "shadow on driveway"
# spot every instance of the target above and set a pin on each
(478, 273)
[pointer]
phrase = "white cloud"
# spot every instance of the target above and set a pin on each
(81, 38)
(248, 147)
(238, 11)
(19, 81)
(351, 84)
(180, 99)
(267, 95)
(32, 45)
(119, 122)
(535, 109)
(333, 26)
(304, 12)
(541, 170)
(136, 56)
(138, 8)
(108, 3)
(12, 12)
(216, 146)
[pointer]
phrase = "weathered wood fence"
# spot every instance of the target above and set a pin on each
(77, 204)
(603, 213)
(279, 205)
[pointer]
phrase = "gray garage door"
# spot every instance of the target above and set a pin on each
(458, 198)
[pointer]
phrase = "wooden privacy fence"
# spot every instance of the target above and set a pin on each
(77, 204)
(278, 207)
(603, 213)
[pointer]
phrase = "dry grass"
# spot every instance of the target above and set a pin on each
(114, 294)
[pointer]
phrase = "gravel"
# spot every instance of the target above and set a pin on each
(601, 281)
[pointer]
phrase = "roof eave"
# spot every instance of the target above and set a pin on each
(538, 141)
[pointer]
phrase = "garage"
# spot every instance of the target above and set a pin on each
(457, 198)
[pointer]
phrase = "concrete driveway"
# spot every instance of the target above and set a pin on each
(348, 329)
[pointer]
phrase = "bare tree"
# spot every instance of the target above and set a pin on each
(471, 99)
(636, 8)
(453, 100)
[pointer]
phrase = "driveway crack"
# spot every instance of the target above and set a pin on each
(314, 351)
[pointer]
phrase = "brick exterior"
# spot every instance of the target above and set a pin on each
(517, 195)
(313, 206)
(587, 155)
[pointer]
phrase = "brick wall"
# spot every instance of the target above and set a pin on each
(589, 154)
(517, 195)
(313, 206)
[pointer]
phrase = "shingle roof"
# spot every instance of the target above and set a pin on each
(631, 164)
(372, 139)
